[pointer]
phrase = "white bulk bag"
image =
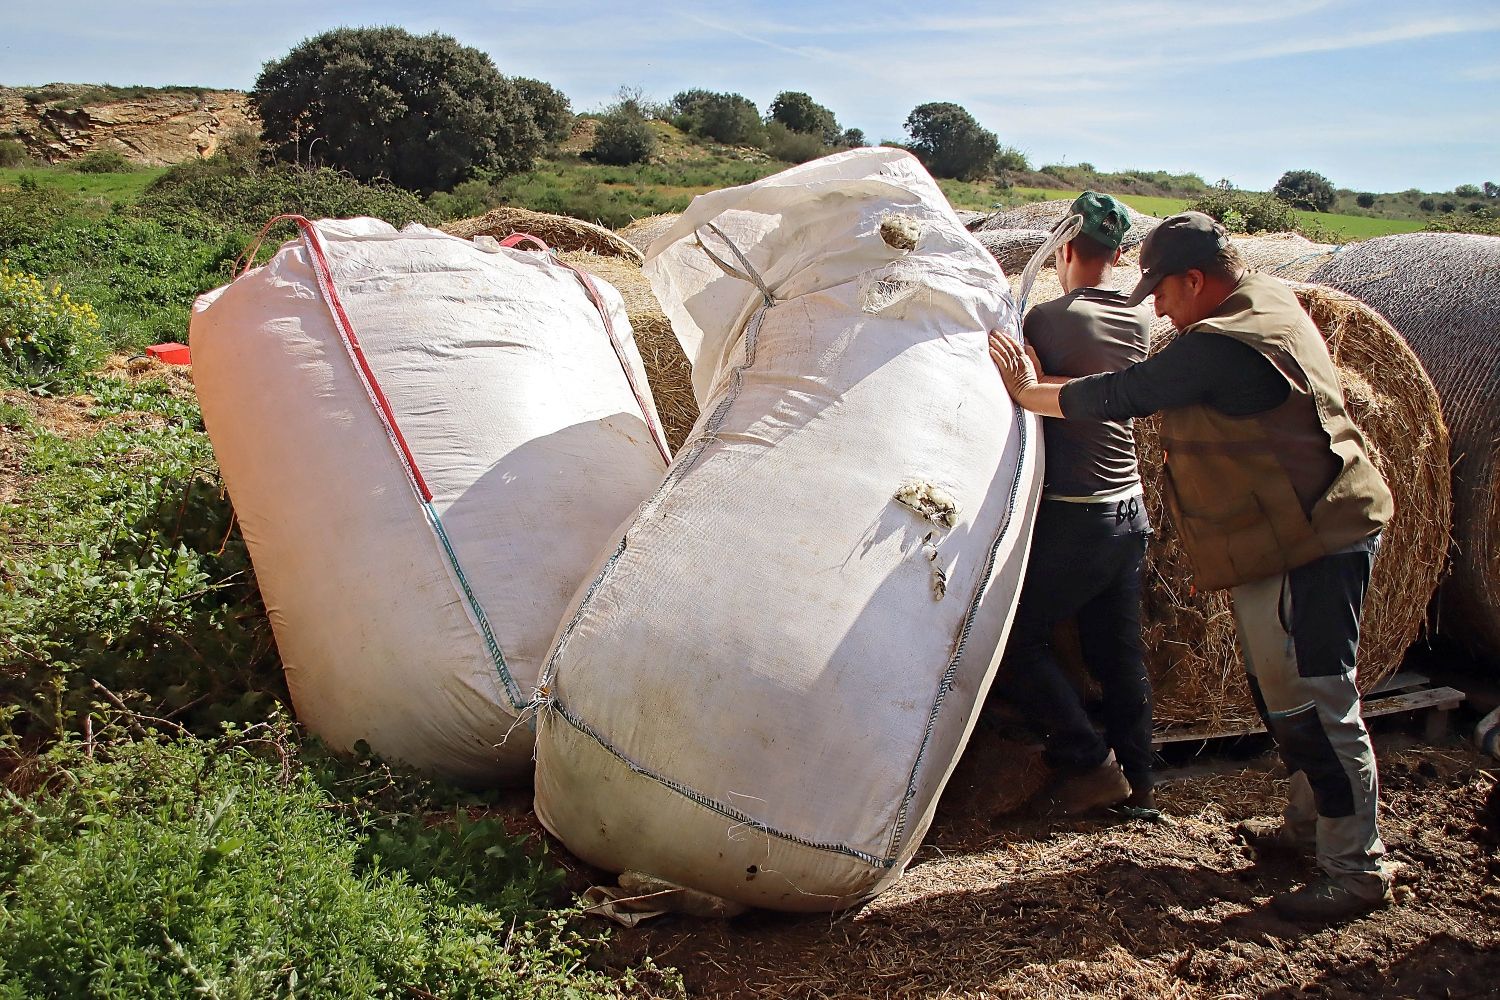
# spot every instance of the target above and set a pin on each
(766, 684)
(423, 490)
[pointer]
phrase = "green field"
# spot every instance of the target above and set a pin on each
(122, 188)
(1349, 227)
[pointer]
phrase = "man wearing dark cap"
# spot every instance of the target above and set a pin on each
(1089, 540)
(1275, 498)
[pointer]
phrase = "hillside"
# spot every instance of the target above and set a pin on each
(149, 126)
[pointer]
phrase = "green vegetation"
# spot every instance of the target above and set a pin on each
(423, 111)
(623, 136)
(948, 140)
(250, 866)
(44, 334)
(72, 97)
(608, 195)
(166, 829)
(726, 118)
(798, 112)
(1305, 189)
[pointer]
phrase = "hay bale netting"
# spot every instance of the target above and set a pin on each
(1288, 256)
(1044, 214)
(1191, 648)
(1011, 248)
(643, 232)
(1442, 292)
(560, 232)
(667, 368)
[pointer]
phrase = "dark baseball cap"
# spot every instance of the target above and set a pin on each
(1181, 243)
(1105, 219)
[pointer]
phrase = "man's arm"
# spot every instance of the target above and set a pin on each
(1194, 368)
(1019, 373)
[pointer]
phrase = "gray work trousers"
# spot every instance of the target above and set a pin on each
(1298, 634)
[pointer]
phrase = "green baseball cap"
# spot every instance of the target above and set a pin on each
(1105, 219)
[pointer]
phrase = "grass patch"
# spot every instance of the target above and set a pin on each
(1357, 227)
(611, 196)
(104, 190)
(1349, 227)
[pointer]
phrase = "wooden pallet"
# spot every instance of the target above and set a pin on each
(1402, 692)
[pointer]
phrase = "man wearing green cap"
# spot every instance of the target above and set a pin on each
(1089, 540)
(1274, 497)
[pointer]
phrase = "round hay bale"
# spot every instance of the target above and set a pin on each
(1011, 248)
(970, 218)
(559, 232)
(1442, 292)
(1191, 646)
(1044, 215)
(643, 232)
(1289, 256)
(667, 368)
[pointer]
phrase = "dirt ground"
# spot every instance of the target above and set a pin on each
(1019, 906)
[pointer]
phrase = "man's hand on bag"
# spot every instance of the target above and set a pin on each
(1017, 367)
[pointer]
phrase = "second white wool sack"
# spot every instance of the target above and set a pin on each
(427, 443)
(767, 681)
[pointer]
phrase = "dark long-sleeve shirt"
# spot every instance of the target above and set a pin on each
(1201, 367)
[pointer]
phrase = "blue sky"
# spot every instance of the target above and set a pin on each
(1376, 95)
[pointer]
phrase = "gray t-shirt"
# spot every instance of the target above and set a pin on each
(1088, 331)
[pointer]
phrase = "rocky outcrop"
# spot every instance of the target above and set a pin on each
(155, 128)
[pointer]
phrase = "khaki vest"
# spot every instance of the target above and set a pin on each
(1259, 495)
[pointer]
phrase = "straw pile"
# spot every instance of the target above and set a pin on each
(667, 368)
(643, 232)
(1442, 292)
(1044, 214)
(1191, 648)
(558, 231)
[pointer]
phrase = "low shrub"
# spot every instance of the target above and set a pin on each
(28, 213)
(101, 161)
(13, 154)
(130, 575)
(44, 334)
(140, 274)
(793, 147)
(622, 138)
(143, 867)
(235, 192)
(1485, 222)
(1246, 211)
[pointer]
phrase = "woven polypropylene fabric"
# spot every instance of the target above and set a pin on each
(1441, 291)
(766, 684)
(419, 627)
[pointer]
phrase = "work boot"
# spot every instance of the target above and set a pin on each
(1141, 805)
(1273, 840)
(1096, 788)
(1327, 901)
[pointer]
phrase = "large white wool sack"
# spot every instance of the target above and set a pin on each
(764, 687)
(418, 529)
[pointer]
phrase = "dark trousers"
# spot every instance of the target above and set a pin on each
(1085, 564)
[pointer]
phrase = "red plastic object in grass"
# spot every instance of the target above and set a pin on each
(170, 354)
